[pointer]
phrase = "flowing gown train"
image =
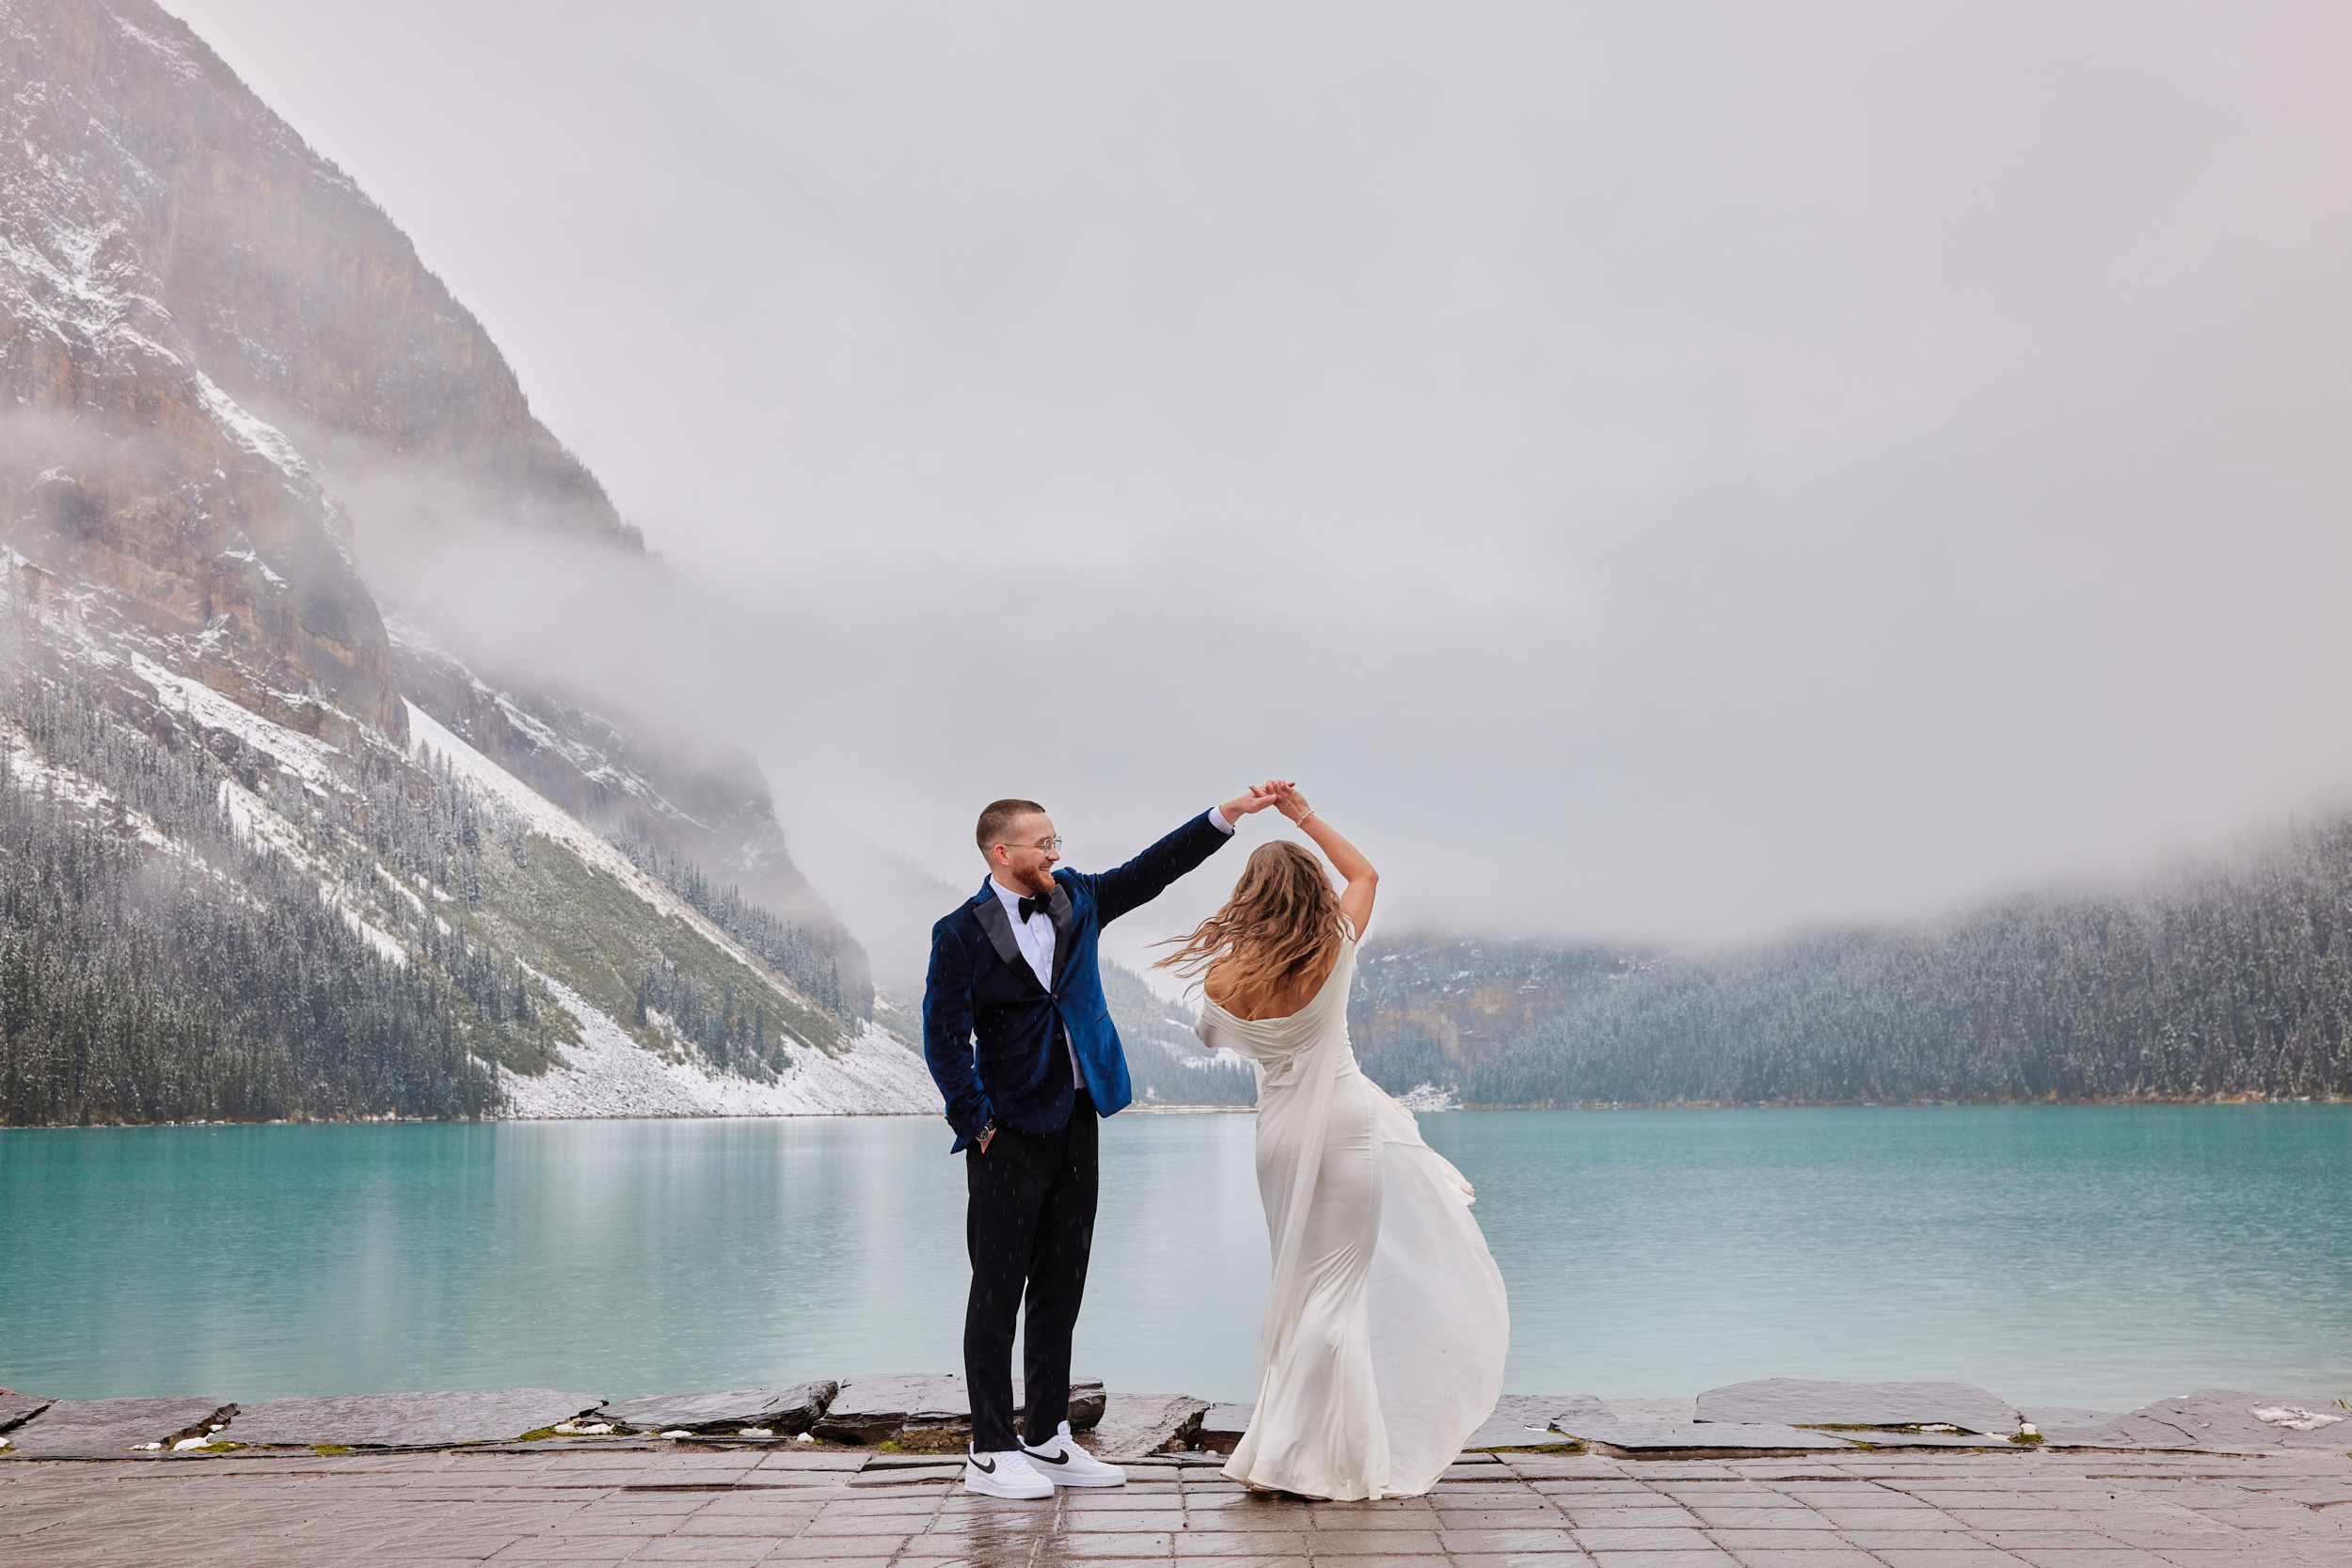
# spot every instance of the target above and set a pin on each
(1386, 1324)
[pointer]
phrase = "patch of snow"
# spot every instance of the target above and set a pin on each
(175, 58)
(386, 947)
(1429, 1097)
(1215, 1055)
(240, 549)
(305, 756)
(2294, 1418)
(265, 440)
(385, 876)
(609, 1074)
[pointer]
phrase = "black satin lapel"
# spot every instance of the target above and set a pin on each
(990, 913)
(1065, 919)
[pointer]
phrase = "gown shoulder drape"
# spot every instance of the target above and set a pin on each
(1385, 1323)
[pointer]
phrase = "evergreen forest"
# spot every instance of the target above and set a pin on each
(803, 957)
(2230, 983)
(729, 1026)
(156, 966)
(166, 955)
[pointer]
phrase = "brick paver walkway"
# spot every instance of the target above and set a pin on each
(583, 1508)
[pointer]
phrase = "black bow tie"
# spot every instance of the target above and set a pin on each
(1033, 906)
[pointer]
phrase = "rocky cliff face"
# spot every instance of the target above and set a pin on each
(295, 294)
(124, 463)
(218, 359)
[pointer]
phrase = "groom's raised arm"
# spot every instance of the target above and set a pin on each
(1144, 878)
(947, 1033)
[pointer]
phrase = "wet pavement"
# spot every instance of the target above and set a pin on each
(1515, 1511)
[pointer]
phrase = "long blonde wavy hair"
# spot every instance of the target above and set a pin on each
(1281, 924)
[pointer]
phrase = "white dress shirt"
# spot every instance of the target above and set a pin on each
(1035, 934)
(1036, 937)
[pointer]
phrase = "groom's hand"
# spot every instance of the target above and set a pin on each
(1257, 797)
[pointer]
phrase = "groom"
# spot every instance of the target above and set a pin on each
(1019, 1040)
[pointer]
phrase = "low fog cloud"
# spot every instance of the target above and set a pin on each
(1663, 471)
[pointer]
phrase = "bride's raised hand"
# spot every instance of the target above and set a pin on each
(1348, 861)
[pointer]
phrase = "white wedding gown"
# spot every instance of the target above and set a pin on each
(1385, 1325)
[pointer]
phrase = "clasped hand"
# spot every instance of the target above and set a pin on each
(1257, 798)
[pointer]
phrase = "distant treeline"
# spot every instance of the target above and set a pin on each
(2230, 983)
(807, 960)
(210, 980)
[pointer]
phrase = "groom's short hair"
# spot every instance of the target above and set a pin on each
(998, 817)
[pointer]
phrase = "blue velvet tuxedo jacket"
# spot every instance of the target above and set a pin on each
(990, 1029)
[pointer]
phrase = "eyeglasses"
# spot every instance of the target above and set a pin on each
(1048, 845)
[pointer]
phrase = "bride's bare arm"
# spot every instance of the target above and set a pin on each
(1361, 879)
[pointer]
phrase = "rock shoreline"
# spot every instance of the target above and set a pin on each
(918, 1413)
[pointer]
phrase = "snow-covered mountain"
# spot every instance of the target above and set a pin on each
(577, 981)
(221, 366)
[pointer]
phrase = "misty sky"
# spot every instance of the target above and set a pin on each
(1657, 470)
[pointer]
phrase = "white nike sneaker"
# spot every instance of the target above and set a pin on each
(1060, 1461)
(1004, 1475)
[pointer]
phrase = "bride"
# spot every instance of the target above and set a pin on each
(1385, 1325)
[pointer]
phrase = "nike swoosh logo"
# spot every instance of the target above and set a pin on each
(1062, 1458)
(986, 1467)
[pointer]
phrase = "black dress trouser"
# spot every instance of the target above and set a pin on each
(1030, 1225)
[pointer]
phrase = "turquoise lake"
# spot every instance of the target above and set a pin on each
(2099, 1256)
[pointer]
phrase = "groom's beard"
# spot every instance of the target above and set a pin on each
(1037, 882)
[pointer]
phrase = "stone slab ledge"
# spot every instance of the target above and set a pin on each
(917, 1422)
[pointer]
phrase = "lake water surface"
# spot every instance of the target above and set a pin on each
(2075, 1256)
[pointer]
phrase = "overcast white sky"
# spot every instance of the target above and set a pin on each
(1651, 469)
